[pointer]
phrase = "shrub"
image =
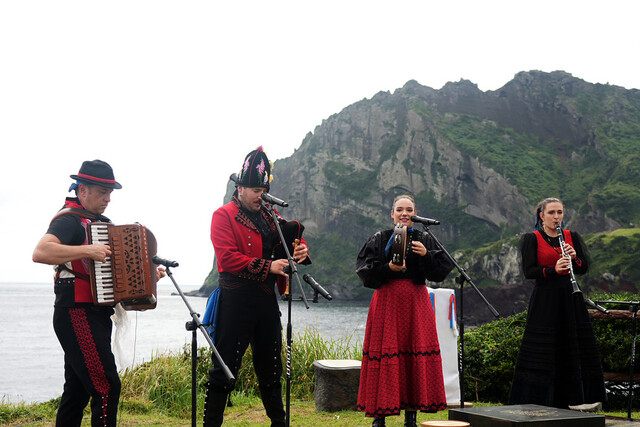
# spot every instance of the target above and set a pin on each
(307, 346)
(491, 351)
(614, 336)
(490, 355)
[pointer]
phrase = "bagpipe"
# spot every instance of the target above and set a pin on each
(292, 233)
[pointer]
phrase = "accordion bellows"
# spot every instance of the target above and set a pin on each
(128, 276)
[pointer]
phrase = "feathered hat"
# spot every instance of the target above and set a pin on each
(256, 170)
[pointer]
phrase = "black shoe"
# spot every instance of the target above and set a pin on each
(214, 405)
(272, 401)
(378, 422)
(410, 419)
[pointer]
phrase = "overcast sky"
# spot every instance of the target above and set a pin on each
(174, 94)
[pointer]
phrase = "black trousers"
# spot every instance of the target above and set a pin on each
(248, 316)
(90, 371)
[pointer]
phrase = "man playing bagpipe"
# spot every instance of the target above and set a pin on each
(250, 262)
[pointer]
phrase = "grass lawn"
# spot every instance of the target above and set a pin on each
(248, 411)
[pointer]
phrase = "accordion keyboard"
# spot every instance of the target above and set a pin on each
(102, 270)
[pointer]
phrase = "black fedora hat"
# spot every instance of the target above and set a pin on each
(97, 172)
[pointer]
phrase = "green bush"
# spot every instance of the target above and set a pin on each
(33, 412)
(163, 385)
(614, 336)
(490, 355)
(307, 346)
(491, 351)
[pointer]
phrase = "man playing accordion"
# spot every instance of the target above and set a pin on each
(83, 329)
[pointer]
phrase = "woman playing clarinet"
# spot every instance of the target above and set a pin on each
(401, 362)
(558, 364)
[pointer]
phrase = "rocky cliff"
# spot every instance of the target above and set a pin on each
(477, 161)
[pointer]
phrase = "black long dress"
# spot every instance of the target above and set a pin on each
(558, 364)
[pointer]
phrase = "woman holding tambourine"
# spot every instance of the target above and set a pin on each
(401, 362)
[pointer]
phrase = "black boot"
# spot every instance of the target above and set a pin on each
(214, 404)
(378, 422)
(410, 419)
(272, 401)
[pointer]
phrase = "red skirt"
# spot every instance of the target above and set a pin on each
(401, 363)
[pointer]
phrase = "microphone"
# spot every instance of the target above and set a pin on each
(265, 196)
(425, 221)
(161, 261)
(316, 286)
(273, 200)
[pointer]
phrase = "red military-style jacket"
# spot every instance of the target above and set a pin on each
(238, 243)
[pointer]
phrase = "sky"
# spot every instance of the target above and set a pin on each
(174, 94)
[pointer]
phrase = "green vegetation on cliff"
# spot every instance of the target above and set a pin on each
(477, 161)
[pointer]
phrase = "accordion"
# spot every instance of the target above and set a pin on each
(128, 276)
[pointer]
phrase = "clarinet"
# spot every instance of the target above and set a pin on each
(574, 283)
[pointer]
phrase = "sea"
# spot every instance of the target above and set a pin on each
(31, 360)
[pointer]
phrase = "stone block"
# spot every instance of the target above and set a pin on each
(336, 384)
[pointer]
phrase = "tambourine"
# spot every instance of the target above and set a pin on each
(399, 244)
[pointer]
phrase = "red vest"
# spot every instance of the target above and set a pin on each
(82, 287)
(547, 254)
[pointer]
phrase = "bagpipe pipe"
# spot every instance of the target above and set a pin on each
(290, 232)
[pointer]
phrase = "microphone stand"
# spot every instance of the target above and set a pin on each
(293, 267)
(194, 325)
(464, 277)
